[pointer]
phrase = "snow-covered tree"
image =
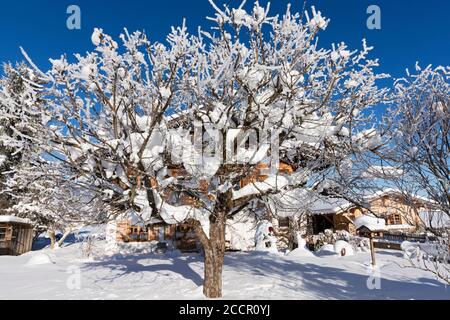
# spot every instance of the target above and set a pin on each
(419, 150)
(255, 92)
(420, 126)
(47, 195)
(21, 122)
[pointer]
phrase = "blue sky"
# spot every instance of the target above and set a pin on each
(411, 30)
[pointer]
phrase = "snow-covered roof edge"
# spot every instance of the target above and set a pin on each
(13, 219)
(389, 191)
(330, 205)
(370, 222)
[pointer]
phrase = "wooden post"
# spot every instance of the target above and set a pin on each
(372, 249)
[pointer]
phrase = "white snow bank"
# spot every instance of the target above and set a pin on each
(40, 259)
(370, 222)
(299, 253)
(326, 250)
(340, 248)
(343, 248)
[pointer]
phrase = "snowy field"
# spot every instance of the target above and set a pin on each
(65, 274)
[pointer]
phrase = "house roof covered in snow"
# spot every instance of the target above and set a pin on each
(370, 222)
(393, 191)
(13, 219)
(325, 205)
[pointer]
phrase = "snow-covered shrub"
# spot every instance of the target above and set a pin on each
(87, 247)
(343, 248)
(428, 251)
(300, 252)
(433, 257)
(360, 243)
(264, 237)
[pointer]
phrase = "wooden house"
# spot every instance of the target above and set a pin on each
(16, 235)
(182, 235)
(401, 212)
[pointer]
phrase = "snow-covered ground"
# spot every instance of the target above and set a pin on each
(65, 274)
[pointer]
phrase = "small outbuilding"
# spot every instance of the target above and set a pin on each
(16, 235)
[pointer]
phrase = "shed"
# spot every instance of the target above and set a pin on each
(16, 235)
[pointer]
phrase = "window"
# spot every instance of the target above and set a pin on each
(395, 219)
(283, 222)
(2, 234)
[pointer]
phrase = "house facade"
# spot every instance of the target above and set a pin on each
(401, 212)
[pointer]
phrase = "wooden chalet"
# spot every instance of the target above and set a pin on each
(401, 212)
(16, 235)
(401, 215)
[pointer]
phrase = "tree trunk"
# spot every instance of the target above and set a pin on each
(65, 235)
(52, 236)
(214, 246)
(214, 257)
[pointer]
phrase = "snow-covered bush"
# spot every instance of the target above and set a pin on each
(301, 250)
(265, 238)
(343, 248)
(433, 257)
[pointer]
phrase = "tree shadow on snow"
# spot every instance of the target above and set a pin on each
(125, 266)
(327, 282)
